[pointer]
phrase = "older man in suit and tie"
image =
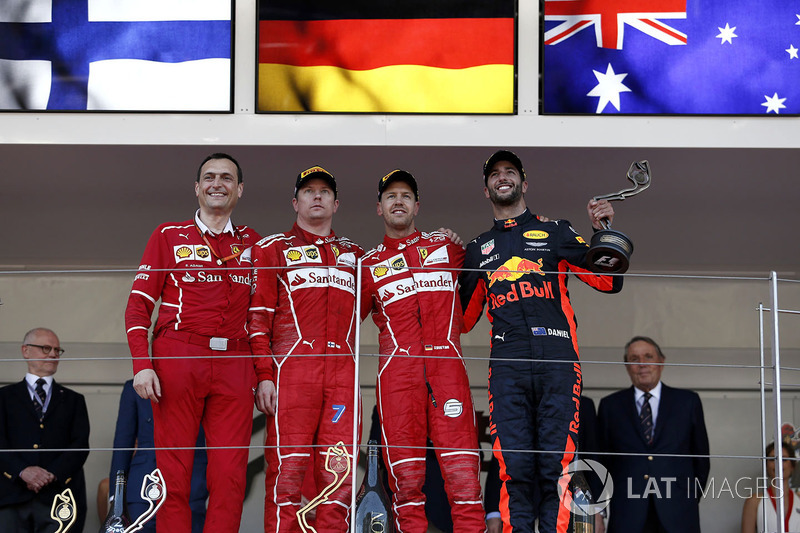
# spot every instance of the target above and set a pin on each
(40, 415)
(661, 437)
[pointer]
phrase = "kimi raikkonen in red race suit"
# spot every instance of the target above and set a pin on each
(519, 268)
(201, 355)
(410, 284)
(302, 326)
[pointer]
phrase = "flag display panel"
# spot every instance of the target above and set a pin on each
(116, 55)
(449, 56)
(674, 57)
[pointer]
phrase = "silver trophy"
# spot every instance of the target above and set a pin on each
(610, 250)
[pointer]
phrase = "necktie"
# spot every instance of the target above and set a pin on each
(42, 397)
(646, 417)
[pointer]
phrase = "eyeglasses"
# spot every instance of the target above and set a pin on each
(46, 349)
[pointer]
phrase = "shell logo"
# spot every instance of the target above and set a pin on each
(202, 252)
(294, 255)
(535, 234)
(381, 271)
(183, 252)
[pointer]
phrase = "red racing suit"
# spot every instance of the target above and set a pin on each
(423, 390)
(302, 330)
(201, 355)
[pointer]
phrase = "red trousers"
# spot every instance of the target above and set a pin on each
(216, 389)
(315, 411)
(430, 397)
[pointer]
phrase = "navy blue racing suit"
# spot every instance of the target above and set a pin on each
(519, 268)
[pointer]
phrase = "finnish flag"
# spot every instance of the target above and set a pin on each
(115, 55)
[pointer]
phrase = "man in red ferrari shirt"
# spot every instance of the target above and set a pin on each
(302, 329)
(410, 284)
(201, 370)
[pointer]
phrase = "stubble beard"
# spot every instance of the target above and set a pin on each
(508, 199)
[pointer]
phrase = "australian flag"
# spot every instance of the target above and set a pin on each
(693, 57)
(115, 55)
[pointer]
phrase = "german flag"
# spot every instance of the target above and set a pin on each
(386, 56)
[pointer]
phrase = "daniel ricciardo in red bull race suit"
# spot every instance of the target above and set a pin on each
(519, 270)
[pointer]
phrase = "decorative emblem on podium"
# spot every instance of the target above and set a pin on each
(337, 462)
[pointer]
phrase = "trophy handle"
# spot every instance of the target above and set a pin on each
(639, 174)
(154, 492)
(337, 462)
(610, 250)
(63, 510)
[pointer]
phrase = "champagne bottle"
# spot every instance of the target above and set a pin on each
(583, 509)
(118, 518)
(373, 511)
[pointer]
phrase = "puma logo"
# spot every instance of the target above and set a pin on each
(404, 350)
(310, 343)
(501, 337)
(184, 235)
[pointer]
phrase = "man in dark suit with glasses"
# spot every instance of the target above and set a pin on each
(38, 414)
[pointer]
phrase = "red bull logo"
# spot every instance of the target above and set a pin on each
(522, 289)
(575, 423)
(515, 268)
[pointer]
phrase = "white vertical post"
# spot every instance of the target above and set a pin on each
(356, 397)
(763, 395)
(776, 390)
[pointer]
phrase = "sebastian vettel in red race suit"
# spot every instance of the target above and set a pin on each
(409, 282)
